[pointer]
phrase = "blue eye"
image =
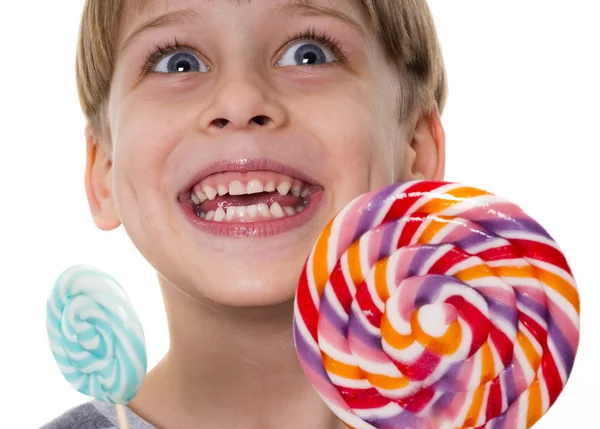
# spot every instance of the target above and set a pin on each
(180, 62)
(306, 54)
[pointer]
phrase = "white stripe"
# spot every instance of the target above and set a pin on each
(303, 330)
(420, 229)
(331, 297)
(525, 235)
(389, 410)
(445, 231)
(553, 269)
(487, 245)
(337, 380)
(470, 262)
(514, 262)
(434, 257)
(337, 354)
(562, 303)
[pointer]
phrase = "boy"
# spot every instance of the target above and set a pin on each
(223, 136)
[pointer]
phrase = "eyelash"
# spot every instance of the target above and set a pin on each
(160, 50)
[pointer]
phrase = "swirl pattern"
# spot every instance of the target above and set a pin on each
(431, 305)
(95, 335)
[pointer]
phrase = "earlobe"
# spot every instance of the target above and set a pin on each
(98, 184)
(426, 154)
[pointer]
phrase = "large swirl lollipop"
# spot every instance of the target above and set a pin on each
(96, 337)
(432, 305)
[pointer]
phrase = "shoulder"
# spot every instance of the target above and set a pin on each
(84, 416)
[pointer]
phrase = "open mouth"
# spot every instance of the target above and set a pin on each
(250, 196)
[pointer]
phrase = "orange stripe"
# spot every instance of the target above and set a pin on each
(445, 345)
(342, 369)
(386, 382)
(475, 408)
(433, 228)
(475, 272)
(467, 192)
(534, 411)
(380, 279)
(561, 286)
(532, 356)
(437, 205)
(521, 271)
(393, 338)
(320, 259)
(487, 364)
(354, 263)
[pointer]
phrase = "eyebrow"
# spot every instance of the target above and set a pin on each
(292, 7)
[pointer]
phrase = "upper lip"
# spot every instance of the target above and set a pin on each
(246, 165)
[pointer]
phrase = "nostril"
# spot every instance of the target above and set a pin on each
(261, 119)
(221, 123)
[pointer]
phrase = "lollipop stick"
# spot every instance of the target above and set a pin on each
(122, 416)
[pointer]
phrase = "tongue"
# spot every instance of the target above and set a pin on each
(250, 200)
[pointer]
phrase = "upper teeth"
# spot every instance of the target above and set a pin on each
(254, 186)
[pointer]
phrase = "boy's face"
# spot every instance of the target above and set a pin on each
(238, 96)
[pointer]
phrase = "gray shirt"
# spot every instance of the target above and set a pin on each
(95, 415)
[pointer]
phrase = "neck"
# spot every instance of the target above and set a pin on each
(230, 367)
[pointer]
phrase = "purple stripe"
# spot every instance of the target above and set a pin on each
(359, 331)
(442, 403)
(371, 210)
(326, 310)
(531, 304)
(499, 422)
(387, 245)
(419, 259)
(402, 420)
(430, 288)
(448, 382)
(562, 345)
(504, 311)
(472, 240)
(504, 225)
(308, 356)
(508, 381)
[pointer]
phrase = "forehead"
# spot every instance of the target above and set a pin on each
(137, 11)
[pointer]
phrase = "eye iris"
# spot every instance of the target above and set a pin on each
(304, 54)
(183, 62)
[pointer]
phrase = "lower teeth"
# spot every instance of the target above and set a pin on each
(250, 213)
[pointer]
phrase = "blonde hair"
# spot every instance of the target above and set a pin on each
(405, 27)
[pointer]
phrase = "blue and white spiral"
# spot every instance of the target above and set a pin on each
(95, 335)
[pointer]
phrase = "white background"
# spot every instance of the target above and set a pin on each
(521, 121)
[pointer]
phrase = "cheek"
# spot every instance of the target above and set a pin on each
(357, 134)
(145, 136)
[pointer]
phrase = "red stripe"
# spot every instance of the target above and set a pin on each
(418, 401)
(479, 324)
(499, 253)
(367, 306)
(410, 227)
(308, 311)
(421, 368)
(448, 260)
(362, 398)
(551, 375)
(494, 405)
(340, 287)
(413, 193)
(543, 252)
(503, 345)
(536, 330)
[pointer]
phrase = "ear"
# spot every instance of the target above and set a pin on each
(426, 155)
(98, 182)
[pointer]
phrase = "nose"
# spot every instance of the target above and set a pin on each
(242, 103)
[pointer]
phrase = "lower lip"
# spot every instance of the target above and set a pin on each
(260, 229)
